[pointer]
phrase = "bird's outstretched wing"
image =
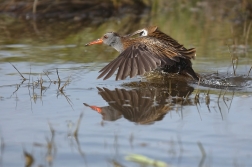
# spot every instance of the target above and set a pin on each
(135, 60)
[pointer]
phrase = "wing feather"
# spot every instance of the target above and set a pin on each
(127, 68)
(113, 68)
(120, 70)
(140, 65)
(110, 66)
(134, 67)
(106, 67)
(134, 60)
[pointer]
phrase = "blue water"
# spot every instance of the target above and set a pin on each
(224, 133)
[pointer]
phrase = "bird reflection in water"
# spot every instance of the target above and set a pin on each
(142, 105)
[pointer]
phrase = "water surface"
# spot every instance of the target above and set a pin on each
(158, 118)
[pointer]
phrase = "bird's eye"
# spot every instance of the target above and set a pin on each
(105, 36)
(141, 33)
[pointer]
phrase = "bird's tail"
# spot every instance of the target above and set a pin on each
(188, 53)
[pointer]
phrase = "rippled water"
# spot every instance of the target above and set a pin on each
(160, 118)
(145, 121)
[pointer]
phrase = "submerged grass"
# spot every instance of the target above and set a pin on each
(38, 84)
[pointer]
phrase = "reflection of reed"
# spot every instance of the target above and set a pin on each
(2, 145)
(29, 160)
(143, 106)
(50, 148)
(74, 135)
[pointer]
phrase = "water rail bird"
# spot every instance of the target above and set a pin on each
(143, 54)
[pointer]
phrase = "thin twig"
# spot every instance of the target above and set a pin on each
(78, 125)
(18, 86)
(29, 160)
(231, 102)
(223, 97)
(207, 100)
(181, 111)
(196, 101)
(198, 112)
(19, 72)
(41, 85)
(196, 98)
(2, 145)
(58, 78)
(247, 35)
(232, 59)
(61, 89)
(45, 89)
(235, 64)
(218, 102)
(187, 95)
(34, 8)
(203, 153)
(244, 29)
(51, 149)
(46, 73)
(29, 78)
(249, 71)
(68, 100)
(29, 87)
(77, 139)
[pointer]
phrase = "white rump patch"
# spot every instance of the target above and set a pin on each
(144, 33)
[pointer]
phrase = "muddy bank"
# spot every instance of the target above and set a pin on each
(74, 10)
(88, 10)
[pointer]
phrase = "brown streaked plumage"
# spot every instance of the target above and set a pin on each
(184, 65)
(138, 55)
(153, 31)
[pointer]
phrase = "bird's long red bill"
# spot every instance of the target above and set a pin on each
(98, 41)
(98, 109)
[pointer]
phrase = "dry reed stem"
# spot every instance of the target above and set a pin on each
(46, 73)
(59, 81)
(19, 72)
(223, 97)
(249, 71)
(34, 7)
(207, 100)
(29, 160)
(233, 60)
(203, 153)
(218, 102)
(2, 146)
(231, 101)
(78, 125)
(247, 35)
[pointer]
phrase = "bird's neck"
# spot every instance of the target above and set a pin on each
(117, 44)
